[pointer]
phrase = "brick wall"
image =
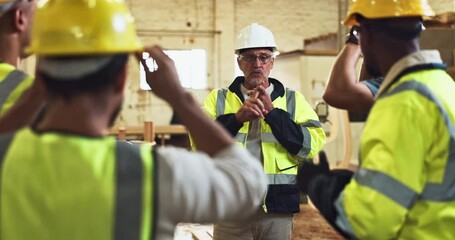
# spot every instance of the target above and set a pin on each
(213, 25)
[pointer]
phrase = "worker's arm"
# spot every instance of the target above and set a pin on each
(221, 183)
(343, 88)
(323, 186)
(302, 136)
(230, 123)
(193, 187)
(251, 109)
(208, 136)
(26, 109)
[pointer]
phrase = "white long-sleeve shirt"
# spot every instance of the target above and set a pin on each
(192, 187)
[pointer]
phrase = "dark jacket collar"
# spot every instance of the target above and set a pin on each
(278, 88)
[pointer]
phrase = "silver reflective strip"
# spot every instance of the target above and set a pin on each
(10, 83)
(387, 185)
(395, 190)
(240, 137)
(128, 205)
(312, 123)
(290, 102)
(342, 220)
(221, 102)
(306, 145)
(281, 179)
(444, 191)
(268, 137)
(5, 141)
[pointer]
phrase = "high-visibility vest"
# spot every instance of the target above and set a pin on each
(61, 186)
(13, 83)
(407, 174)
(280, 166)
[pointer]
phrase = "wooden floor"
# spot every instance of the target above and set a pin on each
(309, 224)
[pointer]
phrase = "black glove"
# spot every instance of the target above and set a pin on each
(353, 36)
(308, 170)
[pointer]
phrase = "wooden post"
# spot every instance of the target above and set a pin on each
(149, 131)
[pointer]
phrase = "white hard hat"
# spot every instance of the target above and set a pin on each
(255, 36)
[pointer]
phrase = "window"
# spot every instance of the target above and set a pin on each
(191, 67)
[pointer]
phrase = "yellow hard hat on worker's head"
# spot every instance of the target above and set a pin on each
(374, 9)
(83, 27)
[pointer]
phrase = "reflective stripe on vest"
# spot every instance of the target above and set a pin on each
(128, 206)
(269, 137)
(438, 192)
(10, 83)
(281, 179)
(397, 191)
(129, 183)
(290, 102)
(221, 101)
(5, 141)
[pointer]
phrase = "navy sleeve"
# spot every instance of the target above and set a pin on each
(230, 123)
(287, 132)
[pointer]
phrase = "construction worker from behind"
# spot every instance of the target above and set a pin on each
(275, 124)
(405, 185)
(345, 89)
(16, 17)
(64, 178)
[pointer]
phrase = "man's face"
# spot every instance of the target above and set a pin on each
(368, 49)
(256, 65)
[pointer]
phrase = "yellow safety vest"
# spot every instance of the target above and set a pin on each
(398, 140)
(13, 83)
(280, 166)
(61, 186)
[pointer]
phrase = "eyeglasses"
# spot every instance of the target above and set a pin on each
(251, 58)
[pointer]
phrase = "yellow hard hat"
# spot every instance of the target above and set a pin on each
(387, 9)
(82, 27)
(5, 5)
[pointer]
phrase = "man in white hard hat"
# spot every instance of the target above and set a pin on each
(16, 17)
(275, 124)
(405, 185)
(64, 178)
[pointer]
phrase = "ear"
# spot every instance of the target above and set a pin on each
(20, 20)
(121, 79)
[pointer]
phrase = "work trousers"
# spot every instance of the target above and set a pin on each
(261, 226)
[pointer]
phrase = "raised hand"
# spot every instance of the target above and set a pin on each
(164, 80)
(308, 170)
(252, 108)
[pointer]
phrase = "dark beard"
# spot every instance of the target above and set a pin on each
(372, 71)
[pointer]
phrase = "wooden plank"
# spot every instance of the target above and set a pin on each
(163, 129)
